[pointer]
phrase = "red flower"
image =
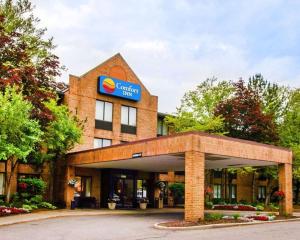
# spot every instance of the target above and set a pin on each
(209, 191)
(22, 186)
(259, 218)
(279, 195)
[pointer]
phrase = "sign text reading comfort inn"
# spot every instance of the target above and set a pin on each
(119, 88)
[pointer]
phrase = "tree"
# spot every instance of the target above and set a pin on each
(18, 133)
(26, 59)
(243, 116)
(197, 108)
(60, 136)
(290, 135)
(63, 132)
(274, 99)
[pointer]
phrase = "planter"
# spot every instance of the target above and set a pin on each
(143, 206)
(112, 205)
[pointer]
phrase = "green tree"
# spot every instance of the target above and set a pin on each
(274, 99)
(18, 133)
(63, 132)
(197, 108)
(290, 135)
(60, 136)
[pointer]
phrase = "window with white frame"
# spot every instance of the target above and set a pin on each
(2, 182)
(217, 191)
(162, 128)
(101, 142)
(233, 191)
(261, 192)
(128, 119)
(103, 115)
(128, 116)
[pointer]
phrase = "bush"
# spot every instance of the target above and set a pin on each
(213, 216)
(236, 216)
(47, 205)
(37, 199)
(260, 207)
(242, 201)
(209, 204)
(218, 201)
(177, 190)
(33, 185)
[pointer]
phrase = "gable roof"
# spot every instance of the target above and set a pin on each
(118, 55)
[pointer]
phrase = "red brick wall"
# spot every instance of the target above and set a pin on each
(81, 99)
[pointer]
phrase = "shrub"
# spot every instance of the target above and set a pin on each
(213, 216)
(33, 185)
(177, 190)
(47, 205)
(236, 216)
(260, 207)
(242, 201)
(209, 204)
(37, 199)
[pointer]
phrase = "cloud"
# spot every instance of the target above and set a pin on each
(174, 46)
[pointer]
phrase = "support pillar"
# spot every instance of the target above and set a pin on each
(69, 190)
(286, 185)
(194, 186)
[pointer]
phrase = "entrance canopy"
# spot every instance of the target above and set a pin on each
(167, 153)
(190, 152)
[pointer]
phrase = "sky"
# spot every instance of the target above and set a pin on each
(173, 45)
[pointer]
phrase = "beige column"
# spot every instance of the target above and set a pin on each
(69, 190)
(286, 185)
(194, 186)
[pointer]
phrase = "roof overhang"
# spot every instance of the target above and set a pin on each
(167, 153)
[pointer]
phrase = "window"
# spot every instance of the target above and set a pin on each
(83, 186)
(217, 173)
(217, 191)
(101, 142)
(2, 182)
(162, 128)
(103, 115)
(128, 120)
(261, 193)
(232, 190)
(141, 189)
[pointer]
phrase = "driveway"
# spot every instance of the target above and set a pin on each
(138, 227)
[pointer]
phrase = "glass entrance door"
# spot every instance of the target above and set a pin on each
(123, 192)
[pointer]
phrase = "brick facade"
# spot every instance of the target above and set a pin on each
(81, 99)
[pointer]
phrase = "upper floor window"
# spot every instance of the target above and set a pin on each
(162, 128)
(128, 120)
(103, 115)
(101, 142)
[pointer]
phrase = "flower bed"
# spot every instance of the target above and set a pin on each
(234, 207)
(262, 217)
(5, 211)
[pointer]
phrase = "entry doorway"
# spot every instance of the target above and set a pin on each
(123, 192)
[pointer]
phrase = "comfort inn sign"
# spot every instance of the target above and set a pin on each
(119, 88)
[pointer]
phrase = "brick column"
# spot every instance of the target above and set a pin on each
(285, 185)
(69, 191)
(194, 186)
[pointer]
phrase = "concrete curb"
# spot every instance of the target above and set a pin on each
(222, 225)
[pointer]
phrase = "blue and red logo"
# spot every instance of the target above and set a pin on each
(119, 88)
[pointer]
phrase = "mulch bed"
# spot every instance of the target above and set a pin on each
(202, 222)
